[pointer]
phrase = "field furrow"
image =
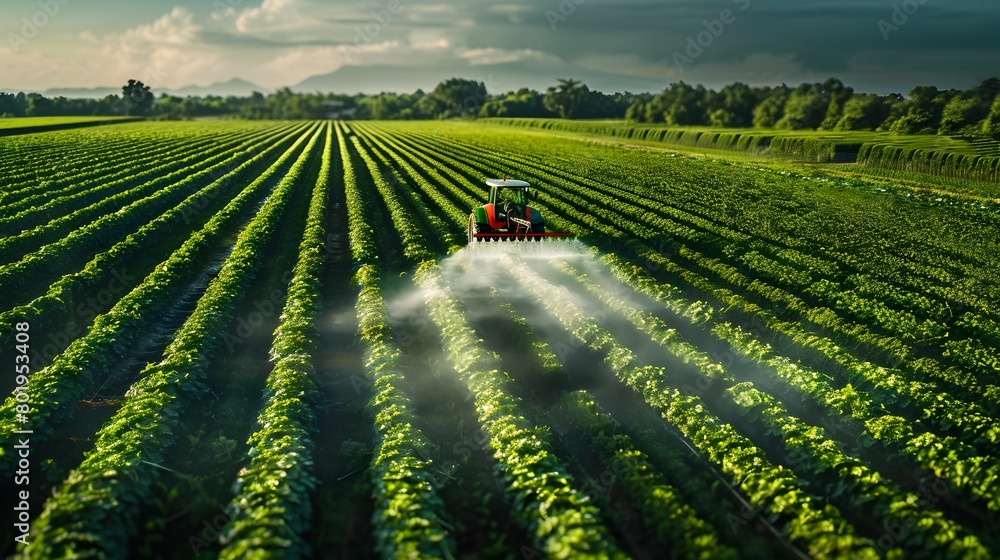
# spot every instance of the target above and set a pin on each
(274, 339)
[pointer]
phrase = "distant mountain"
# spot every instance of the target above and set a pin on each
(236, 87)
(498, 78)
(82, 93)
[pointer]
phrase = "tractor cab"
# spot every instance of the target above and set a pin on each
(515, 194)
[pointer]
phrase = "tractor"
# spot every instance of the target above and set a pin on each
(507, 216)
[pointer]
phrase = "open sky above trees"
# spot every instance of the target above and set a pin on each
(637, 45)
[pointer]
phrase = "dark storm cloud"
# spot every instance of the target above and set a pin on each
(632, 44)
(822, 38)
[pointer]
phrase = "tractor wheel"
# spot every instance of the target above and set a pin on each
(477, 227)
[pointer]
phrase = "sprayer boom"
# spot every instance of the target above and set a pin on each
(519, 236)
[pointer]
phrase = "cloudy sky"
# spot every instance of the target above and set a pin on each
(636, 45)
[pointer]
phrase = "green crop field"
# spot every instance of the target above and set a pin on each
(974, 162)
(237, 339)
(28, 124)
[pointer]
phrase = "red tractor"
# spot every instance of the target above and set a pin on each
(507, 216)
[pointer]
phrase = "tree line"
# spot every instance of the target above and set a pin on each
(828, 106)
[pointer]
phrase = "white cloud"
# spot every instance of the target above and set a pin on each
(33, 70)
(269, 14)
(175, 28)
(516, 13)
(491, 55)
(164, 53)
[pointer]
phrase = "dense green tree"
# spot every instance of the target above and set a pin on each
(737, 101)
(39, 106)
(962, 112)
(772, 108)
(839, 95)
(921, 113)
(522, 103)
(829, 105)
(863, 112)
(991, 124)
(13, 105)
(458, 97)
(567, 98)
(137, 97)
(636, 112)
(806, 107)
(965, 112)
(684, 105)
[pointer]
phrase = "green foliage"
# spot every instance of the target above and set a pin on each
(135, 96)
(863, 112)
(566, 99)
(522, 103)
(274, 504)
(868, 308)
(806, 108)
(72, 374)
(674, 523)
(768, 486)
(991, 124)
(771, 110)
(409, 515)
(124, 464)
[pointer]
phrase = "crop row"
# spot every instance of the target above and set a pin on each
(154, 241)
(707, 220)
(814, 452)
(820, 530)
(51, 201)
(52, 173)
(683, 226)
(56, 387)
(889, 386)
(664, 512)
(900, 158)
(123, 465)
(51, 224)
(430, 220)
(975, 424)
(559, 517)
(409, 513)
(29, 274)
(273, 505)
(948, 458)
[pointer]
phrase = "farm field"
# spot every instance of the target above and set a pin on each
(250, 338)
(970, 165)
(21, 125)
